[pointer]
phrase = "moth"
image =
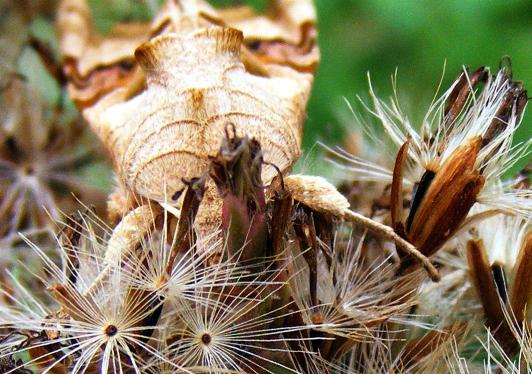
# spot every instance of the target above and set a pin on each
(159, 96)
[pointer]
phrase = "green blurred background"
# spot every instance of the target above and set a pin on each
(379, 36)
(416, 37)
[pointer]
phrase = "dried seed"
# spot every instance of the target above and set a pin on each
(521, 291)
(450, 196)
(484, 283)
(396, 206)
(461, 93)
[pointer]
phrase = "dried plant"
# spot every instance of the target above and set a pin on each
(215, 259)
(168, 306)
(163, 118)
(446, 181)
(457, 160)
(39, 157)
(43, 142)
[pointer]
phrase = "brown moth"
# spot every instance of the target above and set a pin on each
(160, 97)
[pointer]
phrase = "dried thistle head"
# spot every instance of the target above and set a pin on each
(155, 308)
(471, 148)
(39, 158)
(346, 295)
(98, 325)
(144, 297)
(241, 329)
(286, 288)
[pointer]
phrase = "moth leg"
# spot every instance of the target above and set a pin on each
(126, 236)
(120, 202)
(319, 195)
(131, 230)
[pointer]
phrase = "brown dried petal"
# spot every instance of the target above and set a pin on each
(430, 343)
(484, 283)
(184, 238)
(396, 208)
(448, 200)
(461, 93)
(521, 290)
(513, 104)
